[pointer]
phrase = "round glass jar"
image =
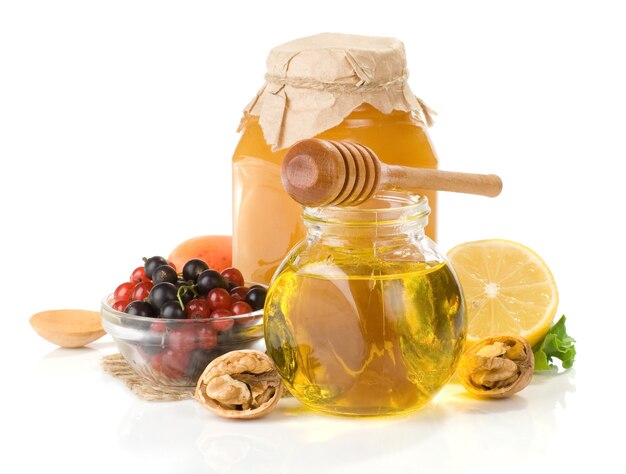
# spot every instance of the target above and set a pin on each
(365, 317)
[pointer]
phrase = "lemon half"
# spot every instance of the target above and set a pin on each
(508, 289)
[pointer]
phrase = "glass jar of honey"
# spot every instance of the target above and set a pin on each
(330, 86)
(365, 317)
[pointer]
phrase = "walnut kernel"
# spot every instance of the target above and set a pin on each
(497, 367)
(240, 384)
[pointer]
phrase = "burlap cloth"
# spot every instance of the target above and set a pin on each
(116, 365)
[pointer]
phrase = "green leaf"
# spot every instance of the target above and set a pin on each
(556, 344)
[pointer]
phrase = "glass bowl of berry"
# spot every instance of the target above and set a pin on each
(169, 325)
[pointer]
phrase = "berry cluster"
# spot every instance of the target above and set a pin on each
(156, 290)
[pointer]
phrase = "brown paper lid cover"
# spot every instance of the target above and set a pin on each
(313, 83)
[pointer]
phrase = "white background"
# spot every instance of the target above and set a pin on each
(117, 124)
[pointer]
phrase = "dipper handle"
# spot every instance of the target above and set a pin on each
(410, 179)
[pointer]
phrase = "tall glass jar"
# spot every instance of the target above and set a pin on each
(329, 86)
(365, 317)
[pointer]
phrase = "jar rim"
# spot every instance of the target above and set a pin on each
(400, 207)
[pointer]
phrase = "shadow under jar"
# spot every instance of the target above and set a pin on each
(365, 317)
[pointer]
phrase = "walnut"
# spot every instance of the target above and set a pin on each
(240, 384)
(497, 367)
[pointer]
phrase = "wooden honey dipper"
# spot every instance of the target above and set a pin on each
(332, 173)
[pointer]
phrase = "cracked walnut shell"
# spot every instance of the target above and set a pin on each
(497, 367)
(240, 384)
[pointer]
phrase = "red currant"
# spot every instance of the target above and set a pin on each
(139, 275)
(233, 275)
(241, 307)
(173, 363)
(234, 298)
(197, 308)
(240, 291)
(120, 305)
(219, 298)
(221, 320)
(156, 362)
(123, 291)
(141, 291)
(158, 327)
(182, 339)
(206, 338)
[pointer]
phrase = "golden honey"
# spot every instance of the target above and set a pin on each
(365, 317)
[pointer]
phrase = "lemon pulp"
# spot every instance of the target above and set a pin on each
(508, 289)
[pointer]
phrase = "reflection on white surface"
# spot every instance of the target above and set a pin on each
(93, 348)
(456, 426)
(227, 451)
(455, 433)
(65, 362)
(293, 438)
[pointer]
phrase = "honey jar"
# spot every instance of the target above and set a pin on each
(365, 317)
(331, 86)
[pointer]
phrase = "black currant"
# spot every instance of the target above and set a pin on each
(256, 297)
(151, 349)
(140, 308)
(198, 360)
(161, 293)
(180, 282)
(193, 268)
(151, 264)
(172, 310)
(164, 273)
(186, 295)
(209, 279)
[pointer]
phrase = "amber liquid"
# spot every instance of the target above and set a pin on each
(267, 223)
(380, 343)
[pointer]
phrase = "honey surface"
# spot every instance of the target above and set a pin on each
(381, 341)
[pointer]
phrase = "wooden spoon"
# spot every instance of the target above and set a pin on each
(324, 172)
(68, 327)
